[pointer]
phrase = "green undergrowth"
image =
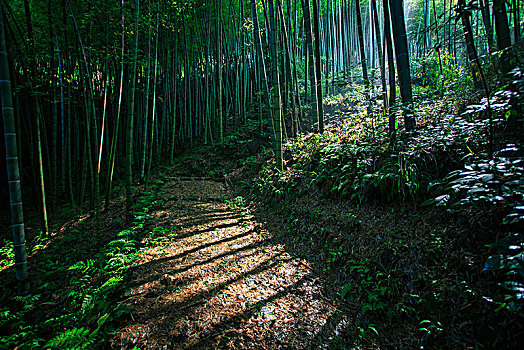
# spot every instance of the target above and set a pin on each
(77, 278)
(354, 160)
(495, 184)
(79, 275)
(216, 159)
(451, 251)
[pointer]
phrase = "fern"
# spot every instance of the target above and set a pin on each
(14, 340)
(111, 284)
(84, 266)
(125, 233)
(102, 320)
(7, 316)
(87, 303)
(27, 301)
(76, 338)
(59, 321)
(345, 290)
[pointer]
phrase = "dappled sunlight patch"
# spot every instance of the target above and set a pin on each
(219, 278)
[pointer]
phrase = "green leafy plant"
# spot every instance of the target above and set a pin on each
(495, 182)
(237, 202)
(87, 311)
(75, 338)
(398, 178)
(510, 261)
(6, 254)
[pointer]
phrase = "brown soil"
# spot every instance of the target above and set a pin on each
(223, 280)
(218, 273)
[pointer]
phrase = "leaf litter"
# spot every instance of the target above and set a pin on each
(222, 280)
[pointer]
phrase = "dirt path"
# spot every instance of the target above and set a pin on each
(219, 279)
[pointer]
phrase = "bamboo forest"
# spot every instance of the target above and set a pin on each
(261, 174)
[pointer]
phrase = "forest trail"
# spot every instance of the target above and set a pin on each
(219, 279)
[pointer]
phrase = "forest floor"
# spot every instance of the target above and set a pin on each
(225, 252)
(222, 278)
(234, 271)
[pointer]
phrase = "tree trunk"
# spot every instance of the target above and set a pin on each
(260, 53)
(309, 46)
(486, 18)
(13, 173)
(378, 41)
(36, 119)
(391, 70)
(114, 139)
(361, 45)
(130, 118)
(516, 20)
(502, 30)
(154, 111)
(318, 78)
(470, 44)
(402, 58)
(219, 82)
(276, 101)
